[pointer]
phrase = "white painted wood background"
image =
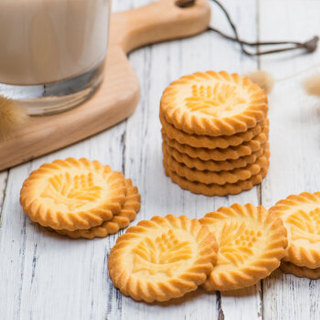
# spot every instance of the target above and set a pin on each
(46, 277)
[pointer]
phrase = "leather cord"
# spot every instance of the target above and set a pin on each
(309, 46)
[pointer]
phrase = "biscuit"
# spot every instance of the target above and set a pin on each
(120, 221)
(301, 272)
(251, 244)
(162, 258)
(222, 142)
(301, 216)
(217, 166)
(231, 153)
(72, 194)
(221, 177)
(213, 103)
(215, 189)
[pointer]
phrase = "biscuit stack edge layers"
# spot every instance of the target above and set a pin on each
(215, 133)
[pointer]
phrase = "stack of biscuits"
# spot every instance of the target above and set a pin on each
(80, 198)
(215, 133)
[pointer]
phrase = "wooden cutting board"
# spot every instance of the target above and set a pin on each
(118, 95)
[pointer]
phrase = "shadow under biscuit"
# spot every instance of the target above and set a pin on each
(188, 297)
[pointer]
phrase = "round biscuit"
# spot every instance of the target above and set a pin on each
(214, 103)
(162, 258)
(72, 194)
(301, 216)
(251, 244)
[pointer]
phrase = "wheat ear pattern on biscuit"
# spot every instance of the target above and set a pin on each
(72, 194)
(162, 258)
(119, 221)
(80, 198)
(251, 244)
(301, 216)
(213, 103)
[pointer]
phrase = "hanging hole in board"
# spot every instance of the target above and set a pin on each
(184, 3)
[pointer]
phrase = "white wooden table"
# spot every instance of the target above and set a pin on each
(44, 277)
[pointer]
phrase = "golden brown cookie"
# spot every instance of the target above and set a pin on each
(222, 142)
(162, 258)
(301, 216)
(221, 177)
(301, 272)
(251, 245)
(213, 103)
(217, 166)
(119, 221)
(231, 153)
(215, 189)
(72, 194)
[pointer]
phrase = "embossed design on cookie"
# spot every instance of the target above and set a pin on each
(301, 216)
(162, 258)
(236, 242)
(164, 254)
(214, 100)
(251, 245)
(305, 225)
(72, 191)
(119, 221)
(72, 194)
(213, 104)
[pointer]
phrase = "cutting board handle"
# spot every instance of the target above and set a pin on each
(158, 21)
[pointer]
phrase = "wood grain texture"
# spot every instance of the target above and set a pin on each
(3, 184)
(44, 276)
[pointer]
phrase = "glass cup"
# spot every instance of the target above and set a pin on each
(52, 52)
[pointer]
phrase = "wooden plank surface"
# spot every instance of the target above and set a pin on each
(44, 276)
